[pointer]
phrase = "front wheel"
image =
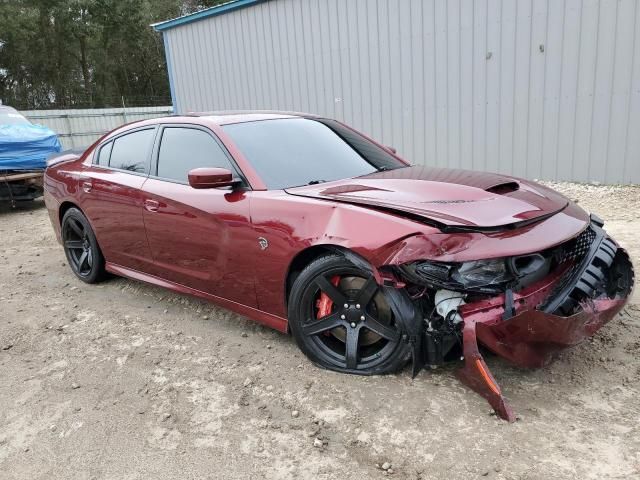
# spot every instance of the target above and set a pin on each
(81, 247)
(342, 321)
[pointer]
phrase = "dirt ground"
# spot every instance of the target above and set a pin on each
(127, 381)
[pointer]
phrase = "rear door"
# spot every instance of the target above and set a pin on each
(198, 238)
(111, 197)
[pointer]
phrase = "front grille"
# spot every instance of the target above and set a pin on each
(573, 251)
(576, 249)
(590, 256)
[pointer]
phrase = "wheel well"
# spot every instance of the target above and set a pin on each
(300, 261)
(305, 257)
(63, 209)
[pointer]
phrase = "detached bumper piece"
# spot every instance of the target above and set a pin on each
(587, 290)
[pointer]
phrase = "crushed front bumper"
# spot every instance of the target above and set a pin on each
(527, 327)
(528, 339)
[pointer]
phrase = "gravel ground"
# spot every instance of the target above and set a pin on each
(127, 381)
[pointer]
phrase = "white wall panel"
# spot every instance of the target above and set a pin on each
(545, 89)
(79, 128)
(632, 145)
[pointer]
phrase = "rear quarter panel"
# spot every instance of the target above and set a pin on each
(61, 185)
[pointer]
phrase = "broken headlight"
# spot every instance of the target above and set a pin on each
(487, 276)
(481, 273)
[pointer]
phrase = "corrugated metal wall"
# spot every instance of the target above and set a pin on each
(546, 89)
(81, 127)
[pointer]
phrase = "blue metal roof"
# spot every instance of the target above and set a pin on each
(209, 12)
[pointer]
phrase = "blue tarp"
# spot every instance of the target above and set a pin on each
(26, 147)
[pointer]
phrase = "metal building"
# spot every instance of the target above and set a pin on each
(546, 89)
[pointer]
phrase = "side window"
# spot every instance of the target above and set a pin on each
(183, 149)
(131, 152)
(104, 154)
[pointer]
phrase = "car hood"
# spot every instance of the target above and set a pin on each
(447, 197)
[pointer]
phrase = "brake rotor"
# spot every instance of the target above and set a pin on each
(378, 308)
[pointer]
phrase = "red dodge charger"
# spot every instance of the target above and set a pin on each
(310, 227)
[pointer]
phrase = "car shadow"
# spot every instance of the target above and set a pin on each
(6, 208)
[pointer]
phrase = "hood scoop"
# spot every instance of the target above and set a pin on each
(503, 188)
(452, 198)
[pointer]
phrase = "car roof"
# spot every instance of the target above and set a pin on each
(218, 118)
(241, 116)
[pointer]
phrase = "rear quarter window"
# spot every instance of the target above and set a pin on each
(104, 154)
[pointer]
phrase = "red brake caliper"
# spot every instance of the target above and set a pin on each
(324, 303)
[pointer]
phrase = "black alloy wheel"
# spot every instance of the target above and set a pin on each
(342, 321)
(81, 248)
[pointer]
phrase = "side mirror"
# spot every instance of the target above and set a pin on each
(391, 149)
(211, 178)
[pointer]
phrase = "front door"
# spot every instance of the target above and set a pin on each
(198, 238)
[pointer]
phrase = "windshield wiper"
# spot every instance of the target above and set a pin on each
(316, 182)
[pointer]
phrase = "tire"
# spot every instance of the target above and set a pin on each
(363, 338)
(81, 247)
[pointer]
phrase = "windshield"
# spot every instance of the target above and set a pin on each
(12, 118)
(292, 152)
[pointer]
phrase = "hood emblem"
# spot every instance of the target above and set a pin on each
(263, 243)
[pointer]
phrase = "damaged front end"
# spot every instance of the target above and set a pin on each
(524, 308)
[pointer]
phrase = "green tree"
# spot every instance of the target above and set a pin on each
(85, 53)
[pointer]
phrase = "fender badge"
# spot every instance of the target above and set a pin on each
(263, 243)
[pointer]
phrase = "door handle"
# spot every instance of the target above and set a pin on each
(87, 186)
(151, 205)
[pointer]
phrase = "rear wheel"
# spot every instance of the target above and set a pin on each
(81, 247)
(342, 321)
